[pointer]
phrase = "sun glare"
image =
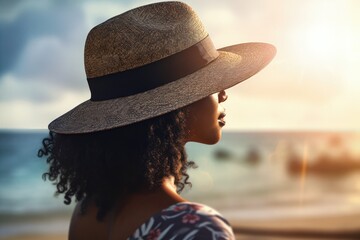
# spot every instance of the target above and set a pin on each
(320, 41)
(326, 35)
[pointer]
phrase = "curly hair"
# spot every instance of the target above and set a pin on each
(105, 166)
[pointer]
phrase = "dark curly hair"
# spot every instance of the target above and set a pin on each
(104, 166)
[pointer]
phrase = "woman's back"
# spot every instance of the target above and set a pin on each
(183, 220)
(161, 214)
(122, 221)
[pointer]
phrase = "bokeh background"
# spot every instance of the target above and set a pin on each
(290, 154)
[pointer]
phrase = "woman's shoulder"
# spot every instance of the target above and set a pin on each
(185, 220)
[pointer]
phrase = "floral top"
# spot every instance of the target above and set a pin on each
(183, 221)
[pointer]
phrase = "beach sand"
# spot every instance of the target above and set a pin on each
(325, 227)
(37, 237)
(316, 227)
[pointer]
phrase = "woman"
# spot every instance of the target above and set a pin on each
(156, 82)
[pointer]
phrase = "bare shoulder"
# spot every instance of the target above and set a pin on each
(85, 225)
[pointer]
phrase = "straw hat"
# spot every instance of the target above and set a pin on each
(152, 60)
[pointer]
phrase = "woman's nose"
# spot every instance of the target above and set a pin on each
(222, 96)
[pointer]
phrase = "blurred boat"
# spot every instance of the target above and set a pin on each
(253, 156)
(222, 154)
(323, 165)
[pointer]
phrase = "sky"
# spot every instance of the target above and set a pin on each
(312, 84)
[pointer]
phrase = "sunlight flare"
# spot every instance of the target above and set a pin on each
(303, 173)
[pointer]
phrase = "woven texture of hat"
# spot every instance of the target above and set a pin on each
(139, 37)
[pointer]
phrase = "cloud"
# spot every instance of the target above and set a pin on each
(46, 67)
(293, 83)
(13, 89)
(97, 12)
(64, 22)
(52, 61)
(10, 10)
(42, 53)
(21, 113)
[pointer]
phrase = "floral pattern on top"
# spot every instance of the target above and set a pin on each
(185, 221)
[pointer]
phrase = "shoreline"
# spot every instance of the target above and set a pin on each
(345, 226)
(30, 236)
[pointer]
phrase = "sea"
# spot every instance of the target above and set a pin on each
(247, 175)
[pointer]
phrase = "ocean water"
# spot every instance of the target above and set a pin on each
(254, 178)
(247, 175)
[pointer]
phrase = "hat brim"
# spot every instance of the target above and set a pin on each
(235, 64)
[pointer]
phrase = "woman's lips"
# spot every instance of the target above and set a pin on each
(221, 119)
